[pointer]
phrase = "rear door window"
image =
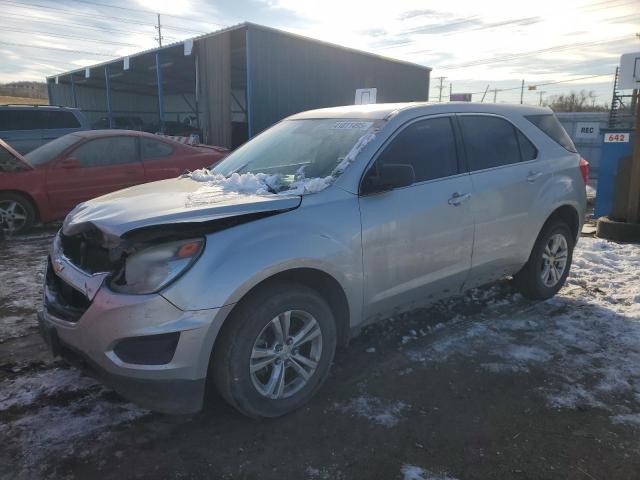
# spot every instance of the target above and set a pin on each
(429, 146)
(103, 152)
(153, 149)
(550, 125)
(489, 141)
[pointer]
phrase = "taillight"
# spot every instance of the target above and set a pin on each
(584, 170)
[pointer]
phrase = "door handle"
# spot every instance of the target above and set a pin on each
(459, 198)
(533, 176)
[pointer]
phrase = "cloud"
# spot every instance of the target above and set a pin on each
(423, 12)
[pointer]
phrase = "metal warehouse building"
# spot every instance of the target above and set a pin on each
(234, 83)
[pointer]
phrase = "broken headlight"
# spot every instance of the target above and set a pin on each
(151, 269)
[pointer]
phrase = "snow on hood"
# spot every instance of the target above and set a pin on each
(265, 184)
(167, 202)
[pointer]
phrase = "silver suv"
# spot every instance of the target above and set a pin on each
(249, 275)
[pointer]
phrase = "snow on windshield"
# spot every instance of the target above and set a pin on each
(279, 184)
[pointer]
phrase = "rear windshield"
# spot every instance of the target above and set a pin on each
(50, 150)
(550, 125)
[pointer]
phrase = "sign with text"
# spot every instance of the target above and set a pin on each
(616, 138)
(587, 130)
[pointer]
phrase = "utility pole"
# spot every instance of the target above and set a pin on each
(633, 203)
(495, 95)
(450, 90)
(484, 94)
(522, 92)
(541, 92)
(159, 29)
(440, 87)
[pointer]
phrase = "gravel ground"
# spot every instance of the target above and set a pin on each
(486, 385)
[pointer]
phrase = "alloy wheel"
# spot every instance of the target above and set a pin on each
(13, 215)
(554, 260)
(286, 354)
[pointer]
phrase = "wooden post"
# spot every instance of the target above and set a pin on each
(633, 215)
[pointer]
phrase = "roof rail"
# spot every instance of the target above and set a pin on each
(30, 105)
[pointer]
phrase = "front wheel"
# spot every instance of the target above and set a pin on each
(548, 266)
(276, 351)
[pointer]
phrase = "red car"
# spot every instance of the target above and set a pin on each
(49, 181)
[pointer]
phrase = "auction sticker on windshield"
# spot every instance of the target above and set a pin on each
(351, 125)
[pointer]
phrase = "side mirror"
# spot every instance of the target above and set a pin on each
(389, 176)
(70, 163)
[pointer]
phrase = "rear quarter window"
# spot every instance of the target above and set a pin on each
(152, 149)
(550, 125)
(58, 119)
(36, 119)
(20, 119)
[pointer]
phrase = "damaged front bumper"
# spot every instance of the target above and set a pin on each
(143, 346)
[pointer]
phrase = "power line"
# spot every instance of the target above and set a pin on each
(83, 52)
(140, 10)
(70, 24)
(73, 13)
(62, 35)
(110, 17)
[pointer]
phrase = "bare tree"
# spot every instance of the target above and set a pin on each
(582, 101)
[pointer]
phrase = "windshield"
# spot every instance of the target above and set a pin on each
(299, 149)
(50, 150)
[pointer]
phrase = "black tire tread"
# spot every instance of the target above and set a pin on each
(527, 280)
(223, 354)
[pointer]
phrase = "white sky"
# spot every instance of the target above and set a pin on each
(446, 36)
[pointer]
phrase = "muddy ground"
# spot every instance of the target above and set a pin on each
(485, 386)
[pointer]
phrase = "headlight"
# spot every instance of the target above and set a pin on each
(153, 268)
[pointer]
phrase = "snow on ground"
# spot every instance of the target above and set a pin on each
(25, 390)
(64, 430)
(387, 414)
(412, 472)
(586, 338)
(21, 280)
(54, 413)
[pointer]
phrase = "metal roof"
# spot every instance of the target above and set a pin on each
(228, 29)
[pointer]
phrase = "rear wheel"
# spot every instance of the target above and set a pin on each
(16, 213)
(276, 351)
(548, 266)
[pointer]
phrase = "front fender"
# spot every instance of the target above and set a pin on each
(322, 234)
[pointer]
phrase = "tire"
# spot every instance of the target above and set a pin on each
(529, 281)
(19, 213)
(252, 331)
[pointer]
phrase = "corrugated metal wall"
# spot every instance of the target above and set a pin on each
(289, 74)
(93, 102)
(588, 145)
(214, 57)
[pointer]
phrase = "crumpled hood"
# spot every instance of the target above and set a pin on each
(178, 200)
